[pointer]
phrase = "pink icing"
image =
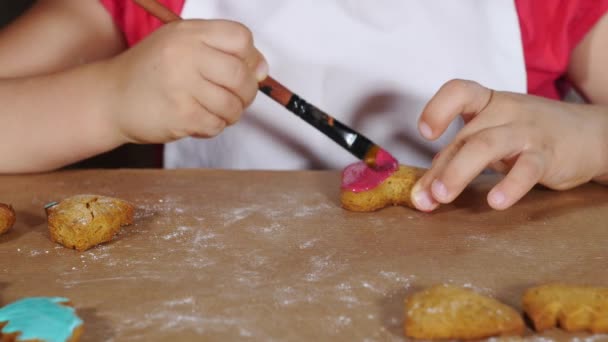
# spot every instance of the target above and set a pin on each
(359, 177)
(386, 161)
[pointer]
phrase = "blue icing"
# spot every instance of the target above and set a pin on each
(40, 318)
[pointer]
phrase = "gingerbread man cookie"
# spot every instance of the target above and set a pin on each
(572, 308)
(365, 189)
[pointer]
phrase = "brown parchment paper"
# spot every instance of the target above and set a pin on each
(240, 255)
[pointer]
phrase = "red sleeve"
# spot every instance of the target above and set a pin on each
(133, 21)
(550, 30)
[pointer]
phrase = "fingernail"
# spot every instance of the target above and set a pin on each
(424, 201)
(425, 130)
(439, 189)
(261, 72)
(497, 198)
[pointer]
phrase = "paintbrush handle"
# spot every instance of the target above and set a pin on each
(353, 141)
(158, 10)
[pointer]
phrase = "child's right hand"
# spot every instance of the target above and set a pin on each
(190, 78)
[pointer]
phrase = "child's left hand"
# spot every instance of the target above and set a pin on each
(530, 139)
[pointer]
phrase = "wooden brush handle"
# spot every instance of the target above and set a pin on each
(158, 10)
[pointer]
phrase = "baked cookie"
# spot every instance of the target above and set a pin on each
(451, 312)
(364, 189)
(573, 308)
(84, 221)
(48, 319)
(7, 218)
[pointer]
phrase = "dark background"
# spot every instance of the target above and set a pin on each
(11, 8)
(132, 156)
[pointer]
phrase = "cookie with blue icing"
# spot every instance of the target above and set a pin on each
(40, 319)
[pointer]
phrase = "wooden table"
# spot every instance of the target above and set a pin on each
(229, 255)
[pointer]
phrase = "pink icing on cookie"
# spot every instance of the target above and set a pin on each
(386, 161)
(359, 177)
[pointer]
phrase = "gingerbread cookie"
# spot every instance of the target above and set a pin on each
(7, 218)
(84, 221)
(450, 312)
(573, 308)
(40, 319)
(365, 189)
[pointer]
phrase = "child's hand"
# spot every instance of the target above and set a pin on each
(190, 78)
(530, 139)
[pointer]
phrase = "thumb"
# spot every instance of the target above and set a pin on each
(454, 98)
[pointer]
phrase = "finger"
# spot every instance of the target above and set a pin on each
(421, 196)
(438, 163)
(422, 199)
(527, 172)
(502, 166)
(456, 97)
(219, 101)
(236, 39)
(257, 63)
(474, 155)
(229, 72)
(206, 124)
(228, 36)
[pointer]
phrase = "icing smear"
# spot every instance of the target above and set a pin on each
(359, 177)
(40, 319)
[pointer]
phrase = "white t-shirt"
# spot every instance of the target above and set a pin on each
(371, 64)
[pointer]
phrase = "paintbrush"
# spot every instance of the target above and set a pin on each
(354, 142)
